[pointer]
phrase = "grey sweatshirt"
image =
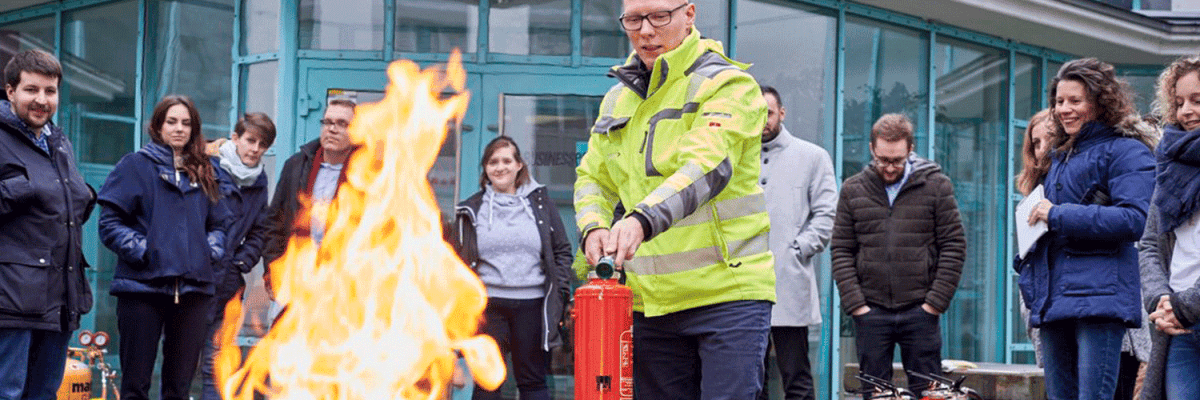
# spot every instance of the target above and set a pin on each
(510, 248)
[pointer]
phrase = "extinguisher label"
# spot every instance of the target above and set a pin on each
(626, 390)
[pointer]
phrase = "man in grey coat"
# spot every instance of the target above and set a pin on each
(801, 191)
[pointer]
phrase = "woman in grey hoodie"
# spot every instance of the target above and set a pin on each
(511, 235)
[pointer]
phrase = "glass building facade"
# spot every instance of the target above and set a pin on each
(536, 73)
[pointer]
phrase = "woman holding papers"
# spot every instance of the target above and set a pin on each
(1034, 165)
(1081, 278)
(1170, 247)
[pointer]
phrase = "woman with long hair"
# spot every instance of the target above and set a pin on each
(1170, 247)
(1081, 279)
(161, 214)
(1037, 143)
(510, 234)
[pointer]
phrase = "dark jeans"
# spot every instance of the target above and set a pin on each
(517, 327)
(210, 350)
(1082, 358)
(791, 356)
(143, 320)
(31, 363)
(917, 332)
(713, 352)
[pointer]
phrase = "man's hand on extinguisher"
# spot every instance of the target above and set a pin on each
(621, 241)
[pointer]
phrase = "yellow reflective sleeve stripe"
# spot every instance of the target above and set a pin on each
(664, 212)
(697, 258)
(727, 209)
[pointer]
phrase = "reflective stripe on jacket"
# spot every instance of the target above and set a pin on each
(681, 147)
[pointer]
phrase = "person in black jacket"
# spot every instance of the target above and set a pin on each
(510, 234)
(43, 205)
(241, 158)
(315, 171)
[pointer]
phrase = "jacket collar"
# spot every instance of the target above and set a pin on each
(14, 124)
(159, 153)
(645, 81)
(782, 140)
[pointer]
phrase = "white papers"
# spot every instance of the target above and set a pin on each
(1028, 235)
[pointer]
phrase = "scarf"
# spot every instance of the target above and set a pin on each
(1177, 177)
(230, 162)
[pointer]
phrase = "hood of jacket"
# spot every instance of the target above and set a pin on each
(645, 80)
(1132, 127)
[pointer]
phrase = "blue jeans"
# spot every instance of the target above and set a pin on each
(1082, 358)
(31, 363)
(1183, 358)
(712, 352)
(210, 350)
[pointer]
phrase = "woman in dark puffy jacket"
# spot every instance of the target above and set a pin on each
(162, 216)
(510, 234)
(246, 198)
(1080, 280)
(1170, 247)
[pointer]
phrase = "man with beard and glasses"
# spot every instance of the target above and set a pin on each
(797, 177)
(898, 249)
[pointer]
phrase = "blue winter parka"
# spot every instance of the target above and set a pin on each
(165, 231)
(246, 234)
(44, 202)
(1086, 266)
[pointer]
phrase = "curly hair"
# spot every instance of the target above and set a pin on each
(1033, 168)
(195, 162)
(1110, 96)
(1164, 102)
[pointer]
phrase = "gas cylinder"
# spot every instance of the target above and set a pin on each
(603, 337)
(77, 379)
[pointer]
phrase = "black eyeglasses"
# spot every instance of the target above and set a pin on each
(657, 19)
(329, 123)
(880, 162)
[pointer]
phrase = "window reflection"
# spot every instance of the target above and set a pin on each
(99, 58)
(712, 19)
(341, 24)
(437, 26)
(530, 27)
(260, 26)
(188, 53)
(602, 34)
(800, 65)
(1027, 93)
(887, 71)
(971, 125)
(34, 34)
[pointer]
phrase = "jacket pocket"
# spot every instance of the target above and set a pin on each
(1088, 270)
(25, 279)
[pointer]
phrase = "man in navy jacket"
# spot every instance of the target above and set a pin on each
(43, 205)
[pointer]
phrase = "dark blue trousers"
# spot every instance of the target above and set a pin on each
(918, 334)
(517, 327)
(31, 363)
(712, 352)
(145, 319)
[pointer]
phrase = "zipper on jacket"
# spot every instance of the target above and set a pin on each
(176, 286)
(177, 184)
(645, 138)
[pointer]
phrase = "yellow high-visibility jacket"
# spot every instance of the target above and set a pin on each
(680, 146)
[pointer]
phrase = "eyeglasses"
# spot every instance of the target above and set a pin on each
(884, 163)
(657, 19)
(329, 123)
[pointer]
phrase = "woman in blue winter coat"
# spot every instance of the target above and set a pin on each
(161, 214)
(511, 235)
(1081, 280)
(246, 198)
(1170, 247)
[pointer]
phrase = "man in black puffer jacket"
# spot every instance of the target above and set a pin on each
(898, 248)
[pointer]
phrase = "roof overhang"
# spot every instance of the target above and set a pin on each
(1079, 27)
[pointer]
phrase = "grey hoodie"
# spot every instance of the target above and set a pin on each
(510, 247)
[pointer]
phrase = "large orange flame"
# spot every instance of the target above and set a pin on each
(378, 310)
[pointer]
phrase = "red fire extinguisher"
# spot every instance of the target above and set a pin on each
(603, 336)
